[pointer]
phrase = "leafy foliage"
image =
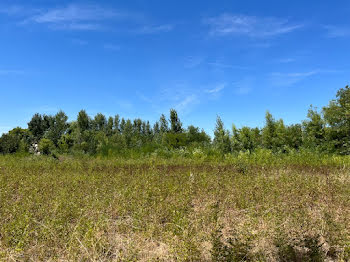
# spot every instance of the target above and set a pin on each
(326, 131)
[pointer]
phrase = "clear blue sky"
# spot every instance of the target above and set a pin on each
(140, 58)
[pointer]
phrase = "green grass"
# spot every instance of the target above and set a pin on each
(258, 207)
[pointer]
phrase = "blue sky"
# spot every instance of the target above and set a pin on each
(140, 58)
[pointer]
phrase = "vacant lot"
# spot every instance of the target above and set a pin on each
(157, 210)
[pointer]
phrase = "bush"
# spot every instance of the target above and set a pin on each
(46, 146)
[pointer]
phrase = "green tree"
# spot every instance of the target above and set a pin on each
(110, 126)
(164, 126)
(83, 121)
(294, 136)
(175, 123)
(128, 133)
(236, 144)
(337, 117)
(314, 130)
(148, 132)
(38, 125)
(269, 131)
(58, 127)
(100, 122)
(194, 135)
(16, 140)
(221, 137)
(280, 139)
(246, 137)
(117, 124)
(46, 146)
(175, 140)
(122, 126)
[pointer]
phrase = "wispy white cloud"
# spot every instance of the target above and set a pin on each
(303, 74)
(77, 27)
(187, 103)
(252, 26)
(74, 17)
(337, 31)
(288, 79)
(155, 29)
(218, 88)
(86, 17)
(75, 13)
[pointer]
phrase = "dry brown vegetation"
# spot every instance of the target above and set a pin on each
(157, 210)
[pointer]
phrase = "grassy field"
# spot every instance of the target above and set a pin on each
(243, 208)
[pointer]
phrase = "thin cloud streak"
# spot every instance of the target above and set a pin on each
(186, 103)
(77, 27)
(251, 26)
(75, 13)
(74, 17)
(289, 79)
(146, 30)
(216, 89)
(79, 17)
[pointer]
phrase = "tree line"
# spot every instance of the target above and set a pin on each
(327, 130)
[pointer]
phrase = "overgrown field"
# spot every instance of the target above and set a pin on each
(245, 208)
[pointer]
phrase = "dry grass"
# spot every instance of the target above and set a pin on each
(105, 210)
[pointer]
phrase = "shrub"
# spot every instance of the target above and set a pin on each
(46, 146)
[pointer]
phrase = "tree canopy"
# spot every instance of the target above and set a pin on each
(327, 130)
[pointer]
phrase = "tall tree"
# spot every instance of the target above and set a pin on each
(269, 134)
(156, 128)
(175, 123)
(164, 127)
(128, 133)
(194, 135)
(314, 129)
(294, 136)
(122, 125)
(37, 126)
(110, 126)
(58, 127)
(100, 122)
(117, 124)
(337, 116)
(221, 137)
(83, 121)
